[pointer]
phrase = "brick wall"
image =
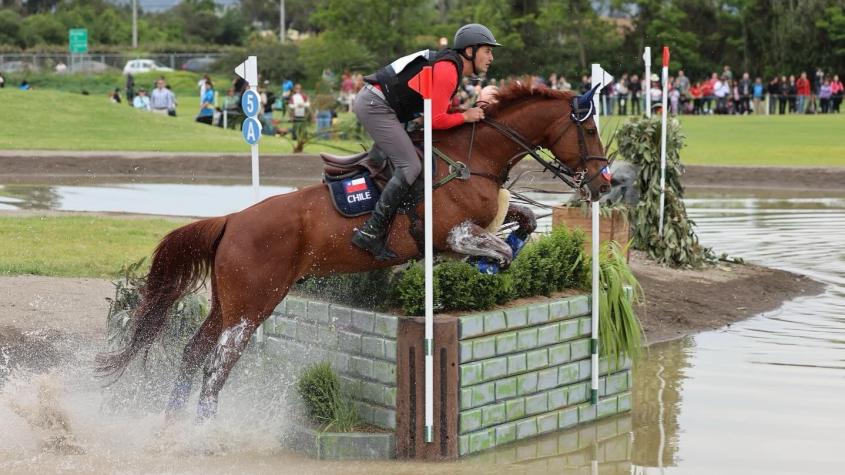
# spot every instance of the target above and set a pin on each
(526, 371)
(523, 371)
(360, 345)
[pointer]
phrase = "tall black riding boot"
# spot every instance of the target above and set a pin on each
(371, 236)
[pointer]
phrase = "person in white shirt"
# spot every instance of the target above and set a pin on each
(721, 89)
(162, 101)
(203, 85)
(299, 109)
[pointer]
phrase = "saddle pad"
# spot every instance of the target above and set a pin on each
(354, 196)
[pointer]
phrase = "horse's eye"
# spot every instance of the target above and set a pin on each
(591, 131)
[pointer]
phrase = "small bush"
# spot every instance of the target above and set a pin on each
(319, 388)
(184, 319)
(551, 263)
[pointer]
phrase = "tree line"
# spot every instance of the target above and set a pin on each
(763, 37)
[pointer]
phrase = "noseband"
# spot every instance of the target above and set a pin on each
(577, 178)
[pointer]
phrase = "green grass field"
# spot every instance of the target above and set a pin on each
(77, 246)
(789, 141)
(53, 120)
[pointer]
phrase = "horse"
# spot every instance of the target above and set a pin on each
(254, 256)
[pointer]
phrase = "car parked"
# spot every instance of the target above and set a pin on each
(199, 65)
(88, 66)
(136, 66)
(18, 67)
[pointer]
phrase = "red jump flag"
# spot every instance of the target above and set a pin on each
(422, 82)
(665, 56)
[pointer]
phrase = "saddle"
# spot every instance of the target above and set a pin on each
(373, 162)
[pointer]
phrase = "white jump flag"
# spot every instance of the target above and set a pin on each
(647, 80)
(663, 137)
(425, 84)
(601, 77)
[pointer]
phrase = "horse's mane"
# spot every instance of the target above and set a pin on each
(519, 91)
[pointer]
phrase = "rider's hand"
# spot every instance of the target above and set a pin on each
(473, 115)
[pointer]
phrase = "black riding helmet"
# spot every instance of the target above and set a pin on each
(474, 35)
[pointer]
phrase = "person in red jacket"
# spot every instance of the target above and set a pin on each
(388, 101)
(802, 88)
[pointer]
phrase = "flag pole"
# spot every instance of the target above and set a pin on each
(647, 80)
(663, 138)
(598, 76)
(425, 89)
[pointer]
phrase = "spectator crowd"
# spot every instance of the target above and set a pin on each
(720, 93)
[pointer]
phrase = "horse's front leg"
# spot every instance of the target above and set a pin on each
(524, 217)
(527, 222)
(473, 240)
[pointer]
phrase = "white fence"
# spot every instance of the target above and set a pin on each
(47, 61)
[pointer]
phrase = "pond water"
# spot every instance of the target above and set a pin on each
(761, 396)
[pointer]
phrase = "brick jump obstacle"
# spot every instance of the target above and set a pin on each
(499, 376)
(453, 385)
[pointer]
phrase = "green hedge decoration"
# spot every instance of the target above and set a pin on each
(549, 264)
(639, 143)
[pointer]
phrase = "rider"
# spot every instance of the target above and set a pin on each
(387, 102)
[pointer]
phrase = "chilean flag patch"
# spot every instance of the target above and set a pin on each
(605, 173)
(355, 185)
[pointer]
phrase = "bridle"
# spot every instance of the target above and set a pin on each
(576, 178)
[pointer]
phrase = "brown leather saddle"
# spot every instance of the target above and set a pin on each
(337, 167)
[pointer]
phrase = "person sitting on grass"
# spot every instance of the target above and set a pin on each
(141, 101)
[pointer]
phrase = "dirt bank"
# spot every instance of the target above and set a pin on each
(85, 167)
(682, 302)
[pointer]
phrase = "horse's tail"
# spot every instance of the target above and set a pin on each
(180, 263)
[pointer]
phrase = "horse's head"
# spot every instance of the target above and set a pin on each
(573, 139)
(561, 123)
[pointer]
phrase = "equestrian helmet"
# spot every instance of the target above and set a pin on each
(473, 34)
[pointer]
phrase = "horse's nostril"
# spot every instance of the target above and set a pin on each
(604, 189)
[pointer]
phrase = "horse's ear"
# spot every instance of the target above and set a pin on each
(582, 106)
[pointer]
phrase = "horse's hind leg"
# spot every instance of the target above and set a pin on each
(231, 344)
(193, 357)
(241, 317)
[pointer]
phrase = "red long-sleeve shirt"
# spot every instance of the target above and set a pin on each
(802, 87)
(445, 80)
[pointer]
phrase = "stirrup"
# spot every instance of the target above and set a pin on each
(373, 245)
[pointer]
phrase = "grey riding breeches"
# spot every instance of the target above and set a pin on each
(380, 121)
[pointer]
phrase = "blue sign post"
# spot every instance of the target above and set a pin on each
(251, 103)
(251, 130)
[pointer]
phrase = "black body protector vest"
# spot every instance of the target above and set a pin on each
(393, 80)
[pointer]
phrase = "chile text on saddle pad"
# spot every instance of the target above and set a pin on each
(354, 196)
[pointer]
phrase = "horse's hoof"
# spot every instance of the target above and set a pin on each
(206, 409)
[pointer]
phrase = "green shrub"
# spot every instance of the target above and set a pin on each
(320, 389)
(551, 263)
(639, 143)
(184, 319)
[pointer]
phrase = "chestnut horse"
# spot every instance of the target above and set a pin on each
(255, 255)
